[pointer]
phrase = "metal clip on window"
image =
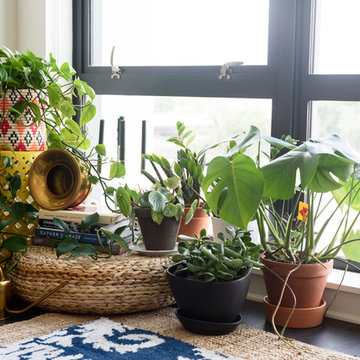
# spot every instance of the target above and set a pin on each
(226, 69)
(116, 71)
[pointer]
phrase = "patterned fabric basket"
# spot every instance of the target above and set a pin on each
(115, 285)
(21, 134)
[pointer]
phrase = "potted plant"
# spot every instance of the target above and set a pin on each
(35, 94)
(210, 280)
(188, 167)
(159, 211)
(327, 165)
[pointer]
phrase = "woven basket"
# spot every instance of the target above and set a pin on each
(116, 285)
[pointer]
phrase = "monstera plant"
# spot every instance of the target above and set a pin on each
(288, 232)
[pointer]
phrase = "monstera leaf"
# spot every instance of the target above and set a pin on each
(324, 165)
(233, 189)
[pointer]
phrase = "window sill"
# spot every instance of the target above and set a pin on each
(343, 308)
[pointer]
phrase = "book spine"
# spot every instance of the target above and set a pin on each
(77, 218)
(73, 226)
(57, 233)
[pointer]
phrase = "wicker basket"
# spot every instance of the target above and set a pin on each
(116, 285)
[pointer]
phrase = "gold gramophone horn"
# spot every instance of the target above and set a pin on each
(58, 181)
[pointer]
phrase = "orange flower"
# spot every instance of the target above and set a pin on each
(303, 211)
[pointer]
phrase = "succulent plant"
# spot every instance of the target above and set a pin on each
(202, 259)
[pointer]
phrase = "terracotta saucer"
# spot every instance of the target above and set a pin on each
(301, 318)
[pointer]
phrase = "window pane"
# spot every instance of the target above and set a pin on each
(211, 119)
(343, 119)
(186, 32)
(337, 47)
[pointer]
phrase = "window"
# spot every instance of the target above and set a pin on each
(179, 33)
(300, 72)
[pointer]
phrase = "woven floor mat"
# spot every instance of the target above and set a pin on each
(245, 342)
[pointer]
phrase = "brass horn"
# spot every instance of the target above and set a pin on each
(57, 180)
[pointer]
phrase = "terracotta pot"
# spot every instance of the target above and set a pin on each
(200, 220)
(308, 283)
(155, 236)
(301, 317)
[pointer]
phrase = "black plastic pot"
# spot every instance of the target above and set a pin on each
(216, 301)
(157, 237)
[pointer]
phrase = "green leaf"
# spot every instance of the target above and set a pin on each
(5, 223)
(178, 211)
(172, 182)
(89, 221)
(7, 161)
(93, 179)
(15, 183)
(61, 225)
(18, 211)
(191, 211)
(165, 163)
(53, 93)
(169, 210)
(123, 201)
(117, 170)
(245, 188)
(177, 169)
(176, 141)
(110, 190)
(89, 90)
(320, 163)
(87, 114)
(100, 149)
(15, 243)
(157, 217)
(83, 250)
(65, 246)
(119, 239)
(84, 144)
(352, 250)
(67, 108)
(73, 126)
(157, 201)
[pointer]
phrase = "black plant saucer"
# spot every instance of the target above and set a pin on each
(207, 327)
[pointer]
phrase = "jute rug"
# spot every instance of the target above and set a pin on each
(244, 343)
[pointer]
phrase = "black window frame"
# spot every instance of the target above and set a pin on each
(287, 79)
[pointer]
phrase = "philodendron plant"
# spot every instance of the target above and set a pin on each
(324, 166)
(206, 260)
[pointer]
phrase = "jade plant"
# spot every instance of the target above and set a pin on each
(203, 259)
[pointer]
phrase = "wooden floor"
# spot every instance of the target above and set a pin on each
(333, 334)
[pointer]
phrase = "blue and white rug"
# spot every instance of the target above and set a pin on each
(105, 339)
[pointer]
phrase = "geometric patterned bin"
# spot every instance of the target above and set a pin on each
(21, 134)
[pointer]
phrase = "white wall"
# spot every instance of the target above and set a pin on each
(8, 23)
(42, 26)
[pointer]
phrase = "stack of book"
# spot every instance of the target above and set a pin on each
(48, 233)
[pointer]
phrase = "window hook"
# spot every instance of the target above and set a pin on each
(226, 70)
(116, 71)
